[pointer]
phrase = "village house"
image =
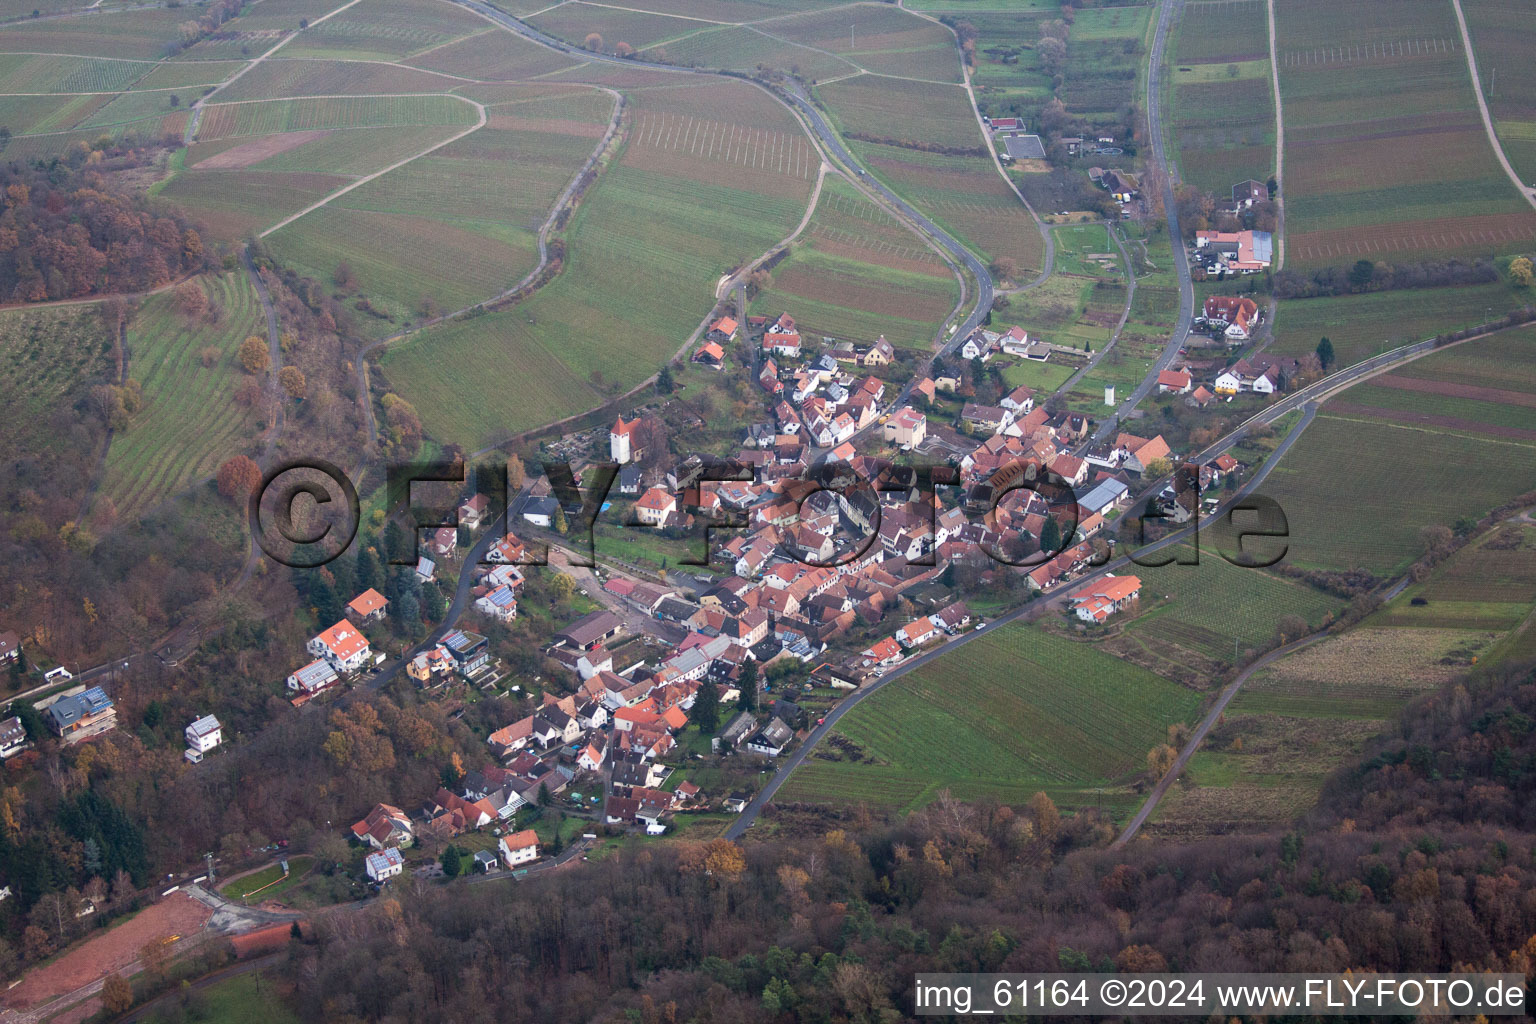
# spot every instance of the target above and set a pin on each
(710, 354)
(771, 739)
(1175, 382)
(473, 512)
(980, 345)
(1237, 313)
(500, 604)
(342, 646)
(917, 632)
(723, 329)
(202, 736)
(318, 675)
(369, 606)
(10, 646)
(1243, 252)
(1246, 193)
(13, 737)
(654, 506)
(952, 617)
(1122, 186)
(470, 652)
(384, 826)
(519, 848)
(879, 354)
(83, 715)
(886, 652)
(442, 541)
(383, 865)
(907, 428)
(782, 338)
(1105, 597)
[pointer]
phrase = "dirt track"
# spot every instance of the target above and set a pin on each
(111, 950)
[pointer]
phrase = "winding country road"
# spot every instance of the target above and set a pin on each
(1167, 16)
(1526, 191)
(829, 139)
(1306, 399)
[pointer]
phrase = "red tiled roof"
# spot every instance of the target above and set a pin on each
(368, 602)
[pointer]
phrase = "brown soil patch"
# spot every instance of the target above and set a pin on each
(111, 950)
(1100, 318)
(257, 150)
(1440, 387)
(839, 291)
(930, 265)
(1428, 420)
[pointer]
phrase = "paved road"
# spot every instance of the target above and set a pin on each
(793, 96)
(1482, 108)
(1039, 607)
(1167, 17)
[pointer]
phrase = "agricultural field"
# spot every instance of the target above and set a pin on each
(712, 177)
(493, 55)
(858, 274)
(1222, 101)
(255, 163)
(879, 38)
(1359, 326)
(1503, 39)
(737, 46)
(966, 195)
(459, 225)
(1206, 616)
(384, 30)
(1009, 714)
(258, 117)
(1009, 79)
(1103, 63)
(281, 77)
(49, 361)
(190, 421)
(915, 114)
(35, 73)
(1367, 509)
(1295, 721)
(1386, 157)
(232, 203)
(145, 34)
(575, 21)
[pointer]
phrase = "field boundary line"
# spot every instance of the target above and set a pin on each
(806, 46)
(479, 107)
(1529, 194)
(668, 14)
(561, 202)
(87, 56)
(385, 63)
(1049, 262)
(197, 107)
(439, 46)
(810, 11)
(352, 96)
